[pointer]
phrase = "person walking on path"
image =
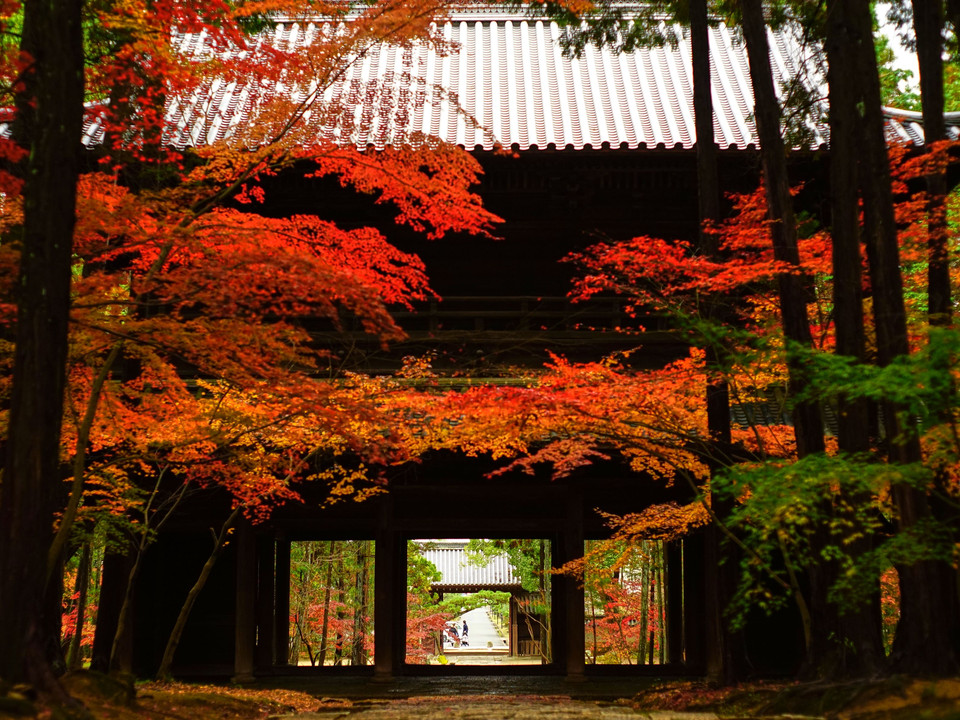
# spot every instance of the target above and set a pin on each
(463, 634)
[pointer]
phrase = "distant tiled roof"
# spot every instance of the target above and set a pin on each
(451, 560)
(516, 88)
(906, 126)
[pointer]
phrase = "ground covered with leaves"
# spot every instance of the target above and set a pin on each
(102, 698)
(892, 698)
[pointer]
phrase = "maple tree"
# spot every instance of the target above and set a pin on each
(188, 363)
(573, 414)
(859, 169)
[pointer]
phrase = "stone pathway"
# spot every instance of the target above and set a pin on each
(484, 697)
(486, 708)
(483, 635)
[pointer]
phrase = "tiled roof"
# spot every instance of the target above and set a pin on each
(508, 83)
(451, 560)
(511, 76)
(906, 126)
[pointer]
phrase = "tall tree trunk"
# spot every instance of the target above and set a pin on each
(726, 654)
(644, 607)
(808, 427)
(49, 124)
(661, 610)
(327, 592)
(342, 598)
(74, 654)
(359, 652)
(921, 644)
(651, 635)
(783, 227)
(859, 627)
(928, 19)
(113, 584)
(543, 612)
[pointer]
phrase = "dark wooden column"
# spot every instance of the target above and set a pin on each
(113, 583)
(281, 632)
(514, 650)
(674, 601)
(694, 603)
(389, 598)
(246, 631)
(265, 610)
(568, 594)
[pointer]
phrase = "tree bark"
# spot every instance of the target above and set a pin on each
(49, 122)
(726, 654)
(858, 628)
(928, 17)
(74, 654)
(116, 570)
(644, 606)
(661, 611)
(928, 22)
(327, 590)
(808, 426)
(783, 227)
(922, 645)
(358, 655)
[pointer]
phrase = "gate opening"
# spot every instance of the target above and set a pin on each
(625, 603)
(331, 603)
(478, 602)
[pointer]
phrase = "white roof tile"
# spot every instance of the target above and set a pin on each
(456, 570)
(506, 83)
(515, 88)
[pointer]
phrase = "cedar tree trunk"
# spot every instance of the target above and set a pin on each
(726, 655)
(923, 642)
(859, 627)
(783, 226)
(49, 123)
(808, 427)
(928, 26)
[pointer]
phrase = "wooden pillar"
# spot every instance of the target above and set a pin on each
(389, 597)
(569, 634)
(514, 649)
(245, 628)
(673, 555)
(281, 632)
(113, 584)
(695, 603)
(265, 610)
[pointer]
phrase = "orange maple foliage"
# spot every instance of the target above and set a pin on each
(572, 414)
(192, 356)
